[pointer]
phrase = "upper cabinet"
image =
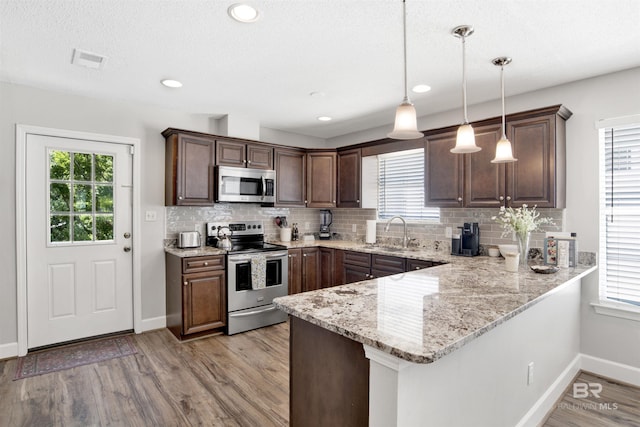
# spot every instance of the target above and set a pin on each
(243, 154)
(349, 178)
(189, 162)
(321, 179)
(291, 173)
(471, 180)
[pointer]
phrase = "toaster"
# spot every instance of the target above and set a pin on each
(189, 239)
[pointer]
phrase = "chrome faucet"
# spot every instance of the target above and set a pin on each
(405, 239)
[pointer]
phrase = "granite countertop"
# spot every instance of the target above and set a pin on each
(189, 252)
(423, 315)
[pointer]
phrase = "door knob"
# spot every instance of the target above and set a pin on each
(127, 248)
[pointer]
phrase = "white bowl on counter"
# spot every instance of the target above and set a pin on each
(504, 249)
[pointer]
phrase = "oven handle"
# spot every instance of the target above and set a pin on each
(251, 313)
(238, 260)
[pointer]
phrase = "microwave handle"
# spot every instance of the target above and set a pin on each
(264, 187)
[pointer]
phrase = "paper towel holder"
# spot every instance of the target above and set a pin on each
(370, 237)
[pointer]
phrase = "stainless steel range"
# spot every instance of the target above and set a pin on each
(257, 272)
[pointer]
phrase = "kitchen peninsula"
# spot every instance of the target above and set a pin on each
(450, 345)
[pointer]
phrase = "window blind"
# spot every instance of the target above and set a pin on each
(620, 269)
(401, 186)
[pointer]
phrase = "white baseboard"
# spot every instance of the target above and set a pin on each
(541, 408)
(8, 350)
(616, 371)
(154, 323)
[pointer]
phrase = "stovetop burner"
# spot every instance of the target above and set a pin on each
(246, 237)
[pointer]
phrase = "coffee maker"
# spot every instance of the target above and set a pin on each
(326, 218)
(467, 243)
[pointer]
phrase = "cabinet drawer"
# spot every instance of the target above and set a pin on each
(357, 258)
(202, 263)
(388, 263)
(418, 264)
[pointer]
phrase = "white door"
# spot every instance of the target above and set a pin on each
(79, 218)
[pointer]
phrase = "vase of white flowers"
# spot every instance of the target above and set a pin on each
(521, 222)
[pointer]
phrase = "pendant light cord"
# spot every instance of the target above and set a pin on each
(504, 130)
(404, 35)
(464, 81)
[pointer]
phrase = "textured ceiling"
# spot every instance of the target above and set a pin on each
(350, 50)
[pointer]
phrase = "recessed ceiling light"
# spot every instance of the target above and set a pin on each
(243, 13)
(171, 83)
(324, 118)
(421, 88)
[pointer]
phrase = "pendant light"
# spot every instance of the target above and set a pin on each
(406, 126)
(465, 140)
(503, 147)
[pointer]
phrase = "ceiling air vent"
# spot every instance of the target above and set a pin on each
(88, 59)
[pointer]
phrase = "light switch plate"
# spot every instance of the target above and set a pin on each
(150, 216)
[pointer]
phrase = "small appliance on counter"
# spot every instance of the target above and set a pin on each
(467, 243)
(326, 219)
(189, 239)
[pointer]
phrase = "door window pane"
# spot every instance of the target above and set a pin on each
(81, 200)
(60, 228)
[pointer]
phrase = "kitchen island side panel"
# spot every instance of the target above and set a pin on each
(329, 378)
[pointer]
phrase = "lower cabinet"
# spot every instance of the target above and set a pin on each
(358, 266)
(327, 267)
(304, 270)
(195, 295)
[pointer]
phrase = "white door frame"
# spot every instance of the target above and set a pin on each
(21, 227)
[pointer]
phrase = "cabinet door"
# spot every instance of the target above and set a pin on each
(291, 175)
(259, 156)
(203, 301)
(443, 172)
(295, 271)
(189, 171)
(310, 269)
(338, 276)
(484, 182)
(356, 273)
(349, 177)
(230, 153)
(327, 267)
(321, 179)
(384, 265)
(532, 179)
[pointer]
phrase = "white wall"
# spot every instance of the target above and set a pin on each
(609, 96)
(29, 106)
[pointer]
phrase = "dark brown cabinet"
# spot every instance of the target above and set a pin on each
(189, 164)
(291, 173)
(321, 179)
(349, 178)
(384, 265)
(443, 171)
(358, 266)
(327, 267)
(471, 180)
(310, 269)
(295, 271)
(195, 295)
(243, 154)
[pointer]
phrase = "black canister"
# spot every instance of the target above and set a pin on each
(455, 245)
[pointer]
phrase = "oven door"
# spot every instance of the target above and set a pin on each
(256, 279)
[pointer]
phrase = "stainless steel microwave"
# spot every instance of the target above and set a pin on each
(245, 185)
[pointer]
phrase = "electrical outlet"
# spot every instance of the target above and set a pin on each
(306, 225)
(354, 228)
(530, 373)
(447, 232)
(150, 216)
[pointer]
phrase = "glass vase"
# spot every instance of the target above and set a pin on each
(523, 247)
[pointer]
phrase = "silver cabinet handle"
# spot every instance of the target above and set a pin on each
(180, 198)
(508, 197)
(460, 199)
(206, 263)
(186, 283)
(304, 255)
(501, 198)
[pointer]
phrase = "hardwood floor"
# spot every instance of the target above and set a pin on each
(615, 405)
(239, 380)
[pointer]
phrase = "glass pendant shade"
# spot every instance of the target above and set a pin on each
(503, 151)
(406, 126)
(465, 140)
